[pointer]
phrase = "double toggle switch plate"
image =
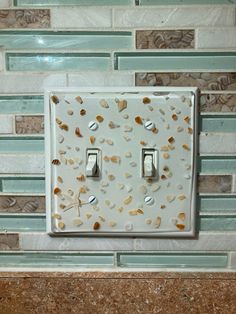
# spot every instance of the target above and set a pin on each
(121, 161)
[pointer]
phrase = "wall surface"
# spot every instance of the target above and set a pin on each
(116, 43)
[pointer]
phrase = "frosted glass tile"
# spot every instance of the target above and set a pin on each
(172, 260)
(217, 203)
(23, 223)
(209, 123)
(200, 2)
(21, 144)
(217, 223)
(70, 2)
(57, 62)
(54, 259)
(214, 165)
(174, 61)
(24, 185)
(21, 104)
(65, 40)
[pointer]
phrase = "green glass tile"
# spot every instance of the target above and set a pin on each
(21, 104)
(175, 61)
(184, 2)
(217, 223)
(217, 203)
(21, 144)
(22, 185)
(219, 164)
(209, 123)
(22, 222)
(54, 259)
(57, 62)
(172, 260)
(44, 3)
(65, 40)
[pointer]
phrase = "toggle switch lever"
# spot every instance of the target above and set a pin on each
(92, 165)
(148, 166)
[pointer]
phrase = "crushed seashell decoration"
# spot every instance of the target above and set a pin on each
(120, 125)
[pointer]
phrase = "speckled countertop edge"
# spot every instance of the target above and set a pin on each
(125, 274)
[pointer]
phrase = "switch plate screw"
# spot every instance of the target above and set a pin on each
(149, 125)
(149, 200)
(92, 125)
(92, 200)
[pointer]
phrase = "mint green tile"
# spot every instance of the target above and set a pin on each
(21, 144)
(22, 223)
(217, 223)
(217, 203)
(217, 164)
(55, 259)
(172, 260)
(21, 104)
(57, 62)
(44, 3)
(209, 123)
(22, 185)
(65, 40)
(175, 61)
(184, 2)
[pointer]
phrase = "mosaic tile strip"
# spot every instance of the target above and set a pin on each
(163, 39)
(215, 184)
(24, 18)
(203, 80)
(29, 124)
(218, 102)
(25, 3)
(22, 223)
(9, 241)
(22, 204)
(19, 184)
(183, 2)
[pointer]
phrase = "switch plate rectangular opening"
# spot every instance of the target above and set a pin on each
(122, 208)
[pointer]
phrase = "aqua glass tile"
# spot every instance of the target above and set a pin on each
(217, 164)
(172, 260)
(65, 40)
(22, 222)
(44, 3)
(209, 123)
(184, 2)
(217, 203)
(21, 144)
(55, 259)
(57, 62)
(22, 185)
(217, 223)
(21, 104)
(175, 61)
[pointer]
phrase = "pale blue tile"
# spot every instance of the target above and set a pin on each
(217, 203)
(172, 260)
(44, 3)
(65, 40)
(21, 144)
(215, 164)
(22, 223)
(175, 61)
(22, 185)
(209, 123)
(184, 2)
(217, 223)
(21, 104)
(57, 62)
(55, 259)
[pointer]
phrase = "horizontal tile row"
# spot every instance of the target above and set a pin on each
(205, 241)
(202, 2)
(139, 61)
(68, 17)
(106, 40)
(31, 222)
(28, 104)
(210, 143)
(16, 203)
(29, 124)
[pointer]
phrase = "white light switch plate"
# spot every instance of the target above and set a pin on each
(123, 202)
